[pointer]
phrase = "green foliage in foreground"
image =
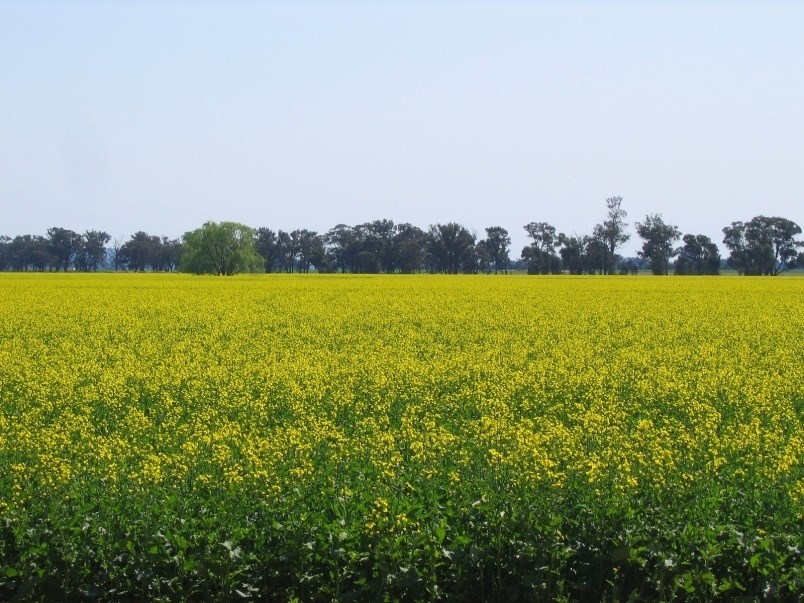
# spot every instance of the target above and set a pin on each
(311, 547)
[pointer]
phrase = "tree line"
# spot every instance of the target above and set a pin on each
(761, 246)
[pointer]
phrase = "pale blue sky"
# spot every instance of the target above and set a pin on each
(158, 115)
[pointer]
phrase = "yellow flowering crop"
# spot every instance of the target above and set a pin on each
(393, 407)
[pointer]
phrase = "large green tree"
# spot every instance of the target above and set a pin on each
(451, 248)
(224, 248)
(311, 248)
(541, 254)
(657, 242)
(139, 252)
(265, 241)
(763, 246)
(698, 255)
(408, 247)
(28, 252)
(64, 245)
(288, 250)
(92, 252)
(497, 243)
(573, 252)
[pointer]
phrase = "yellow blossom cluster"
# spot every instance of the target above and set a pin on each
(373, 386)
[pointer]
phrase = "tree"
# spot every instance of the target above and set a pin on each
(92, 252)
(658, 239)
(114, 254)
(496, 244)
(699, 255)
(573, 252)
(541, 254)
(366, 262)
(629, 265)
(64, 245)
(17, 253)
(377, 237)
(451, 248)
(776, 237)
(763, 246)
(543, 235)
(343, 246)
(310, 247)
(739, 255)
(408, 247)
(287, 250)
(541, 262)
(165, 254)
(482, 257)
(368, 247)
(30, 252)
(596, 256)
(265, 240)
(611, 233)
(137, 253)
(224, 248)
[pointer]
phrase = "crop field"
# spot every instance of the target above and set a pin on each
(319, 438)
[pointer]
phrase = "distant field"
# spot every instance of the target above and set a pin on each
(170, 437)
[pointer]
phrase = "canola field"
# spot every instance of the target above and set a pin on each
(335, 438)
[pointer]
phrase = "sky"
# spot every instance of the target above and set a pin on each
(160, 115)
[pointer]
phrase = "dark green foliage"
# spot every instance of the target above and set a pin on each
(64, 245)
(148, 252)
(699, 255)
(450, 249)
(763, 246)
(465, 546)
(495, 246)
(92, 252)
(658, 239)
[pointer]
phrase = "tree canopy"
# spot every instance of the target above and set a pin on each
(658, 238)
(224, 248)
(699, 255)
(763, 246)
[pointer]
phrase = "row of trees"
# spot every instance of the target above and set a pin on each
(63, 249)
(378, 246)
(761, 246)
(60, 250)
